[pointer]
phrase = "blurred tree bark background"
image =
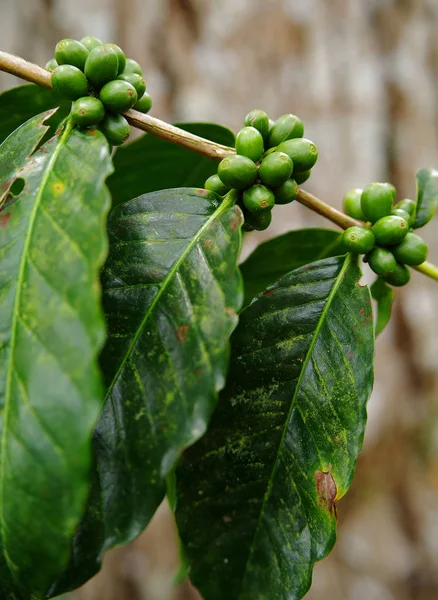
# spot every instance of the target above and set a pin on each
(364, 78)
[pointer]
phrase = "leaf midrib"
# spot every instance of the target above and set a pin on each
(227, 202)
(20, 280)
(339, 279)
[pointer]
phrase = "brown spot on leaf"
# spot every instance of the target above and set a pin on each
(4, 219)
(208, 244)
(268, 293)
(181, 333)
(227, 519)
(235, 223)
(362, 310)
(326, 490)
(202, 192)
(231, 312)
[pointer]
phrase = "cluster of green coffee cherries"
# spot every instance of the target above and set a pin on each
(272, 158)
(101, 82)
(389, 245)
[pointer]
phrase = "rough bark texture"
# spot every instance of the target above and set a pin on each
(363, 75)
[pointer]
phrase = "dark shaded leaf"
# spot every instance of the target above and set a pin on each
(256, 496)
(52, 246)
(384, 295)
(282, 254)
(151, 163)
(427, 196)
(171, 293)
(21, 103)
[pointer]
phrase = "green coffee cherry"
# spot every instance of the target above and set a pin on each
(69, 82)
(118, 96)
(87, 111)
(352, 205)
(259, 221)
(120, 56)
(275, 169)
(51, 65)
(400, 276)
(115, 128)
(377, 200)
(411, 251)
(303, 153)
(390, 230)
(259, 120)
(144, 105)
(407, 205)
(249, 143)
(102, 65)
(214, 184)
(381, 261)
(286, 127)
(358, 240)
(258, 198)
(302, 177)
(286, 192)
(71, 52)
(90, 42)
(136, 80)
(237, 172)
(132, 66)
(404, 215)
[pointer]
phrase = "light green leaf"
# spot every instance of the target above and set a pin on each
(384, 296)
(256, 496)
(284, 253)
(152, 163)
(427, 196)
(52, 247)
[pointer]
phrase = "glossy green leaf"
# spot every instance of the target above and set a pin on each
(427, 196)
(171, 293)
(282, 254)
(256, 496)
(21, 103)
(384, 296)
(150, 163)
(52, 246)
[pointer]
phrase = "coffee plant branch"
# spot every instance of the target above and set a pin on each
(36, 74)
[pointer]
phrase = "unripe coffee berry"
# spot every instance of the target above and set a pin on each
(260, 120)
(286, 192)
(390, 230)
(286, 127)
(71, 52)
(51, 65)
(258, 198)
(135, 80)
(87, 111)
(352, 205)
(118, 96)
(381, 261)
(249, 143)
(214, 184)
(237, 171)
(303, 153)
(407, 205)
(411, 251)
(90, 42)
(69, 82)
(259, 221)
(302, 177)
(377, 200)
(275, 169)
(400, 276)
(116, 129)
(358, 240)
(102, 65)
(144, 105)
(132, 66)
(120, 57)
